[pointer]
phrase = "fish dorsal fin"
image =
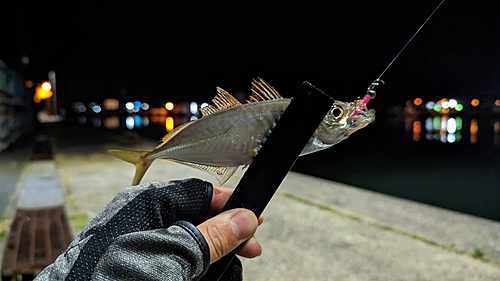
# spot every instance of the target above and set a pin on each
(209, 109)
(222, 100)
(262, 91)
(222, 174)
(174, 132)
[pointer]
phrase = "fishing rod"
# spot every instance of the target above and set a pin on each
(379, 81)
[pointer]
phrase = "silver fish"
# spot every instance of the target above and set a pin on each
(230, 134)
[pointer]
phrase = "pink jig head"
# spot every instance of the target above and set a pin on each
(366, 100)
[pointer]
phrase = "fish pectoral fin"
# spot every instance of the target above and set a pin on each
(222, 174)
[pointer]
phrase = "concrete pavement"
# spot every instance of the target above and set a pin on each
(315, 229)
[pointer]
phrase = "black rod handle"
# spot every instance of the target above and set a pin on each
(276, 157)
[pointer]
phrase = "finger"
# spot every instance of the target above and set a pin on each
(226, 231)
(219, 198)
(251, 248)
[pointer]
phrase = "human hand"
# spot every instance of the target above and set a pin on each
(226, 231)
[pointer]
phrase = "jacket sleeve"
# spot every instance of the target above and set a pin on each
(147, 232)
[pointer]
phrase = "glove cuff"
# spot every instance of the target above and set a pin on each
(198, 237)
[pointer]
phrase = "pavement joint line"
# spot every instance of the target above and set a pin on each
(476, 254)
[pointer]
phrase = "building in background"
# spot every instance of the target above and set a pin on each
(16, 117)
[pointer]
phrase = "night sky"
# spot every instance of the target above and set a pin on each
(182, 50)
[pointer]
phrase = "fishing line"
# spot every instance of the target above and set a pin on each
(378, 80)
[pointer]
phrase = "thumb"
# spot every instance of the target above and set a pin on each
(227, 231)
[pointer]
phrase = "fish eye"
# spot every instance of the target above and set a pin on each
(337, 112)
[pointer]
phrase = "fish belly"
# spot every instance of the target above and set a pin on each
(230, 137)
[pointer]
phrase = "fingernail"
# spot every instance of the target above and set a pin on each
(243, 224)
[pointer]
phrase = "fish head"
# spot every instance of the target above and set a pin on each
(343, 119)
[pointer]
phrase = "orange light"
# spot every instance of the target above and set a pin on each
(445, 110)
(417, 101)
(497, 102)
(169, 124)
(496, 127)
(28, 84)
(46, 86)
(474, 102)
(169, 106)
(41, 94)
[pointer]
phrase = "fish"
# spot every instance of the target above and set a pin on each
(230, 134)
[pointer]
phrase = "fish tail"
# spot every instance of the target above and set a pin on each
(138, 158)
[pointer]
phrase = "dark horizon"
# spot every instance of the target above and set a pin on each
(184, 51)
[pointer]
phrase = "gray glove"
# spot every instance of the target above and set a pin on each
(147, 232)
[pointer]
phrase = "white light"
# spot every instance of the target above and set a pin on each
(129, 105)
(135, 110)
(452, 103)
(452, 125)
(451, 138)
(445, 104)
(129, 122)
(193, 118)
(96, 108)
(428, 124)
(430, 105)
(193, 107)
(145, 106)
(443, 138)
(444, 123)
(145, 120)
(204, 105)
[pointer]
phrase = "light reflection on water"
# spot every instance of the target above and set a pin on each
(443, 128)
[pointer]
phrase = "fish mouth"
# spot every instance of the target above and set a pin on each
(361, 118)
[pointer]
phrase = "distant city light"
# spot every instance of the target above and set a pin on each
(135, 110)
(112, 122)
(451, 138)
(436, 123)
(452, 103)
(459, 107)
(473, 131)
(137, 104)
(193, 118)
(497, 102)
(96, 108)
(129, 106)
(437, 107)
(145, 121)
(169, 106)
(445, 110)
(430, 105)
(129, 122)
(458, 123)
(28, 84)
(444, 123)
(444, 104)
(137, 121)
(169, 124)
(145, 106)
(204, 105)
(417, 101)
(452, 125)
(474, 102)
(193, 107)
(46, 86)
(96, 122)
(428, 124)
(111, 104)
